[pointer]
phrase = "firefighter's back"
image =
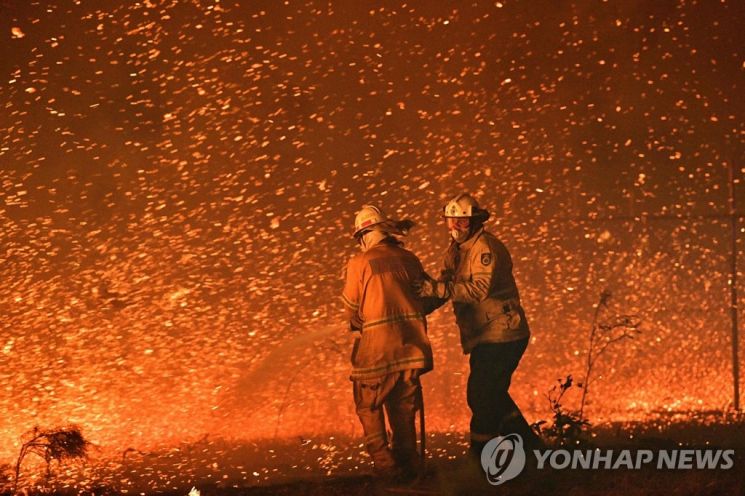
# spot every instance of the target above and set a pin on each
(394, 326)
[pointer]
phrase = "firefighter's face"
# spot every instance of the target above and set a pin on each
(459, 228)
(360, 241)
(459, 223)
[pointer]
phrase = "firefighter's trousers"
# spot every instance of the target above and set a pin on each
(493, 410)
(398, 394)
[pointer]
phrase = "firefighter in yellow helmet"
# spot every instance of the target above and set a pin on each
(478, 279)
(391, 348)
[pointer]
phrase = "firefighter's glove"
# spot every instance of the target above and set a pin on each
(426, 287)
(447, 275)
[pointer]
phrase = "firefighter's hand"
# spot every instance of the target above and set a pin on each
(426, 287)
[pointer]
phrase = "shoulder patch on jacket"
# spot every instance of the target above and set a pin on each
(486, 258)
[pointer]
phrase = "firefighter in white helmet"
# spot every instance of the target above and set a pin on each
(478, 279)
(391, 350)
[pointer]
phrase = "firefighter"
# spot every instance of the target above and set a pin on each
(493, 329)
(391, 348)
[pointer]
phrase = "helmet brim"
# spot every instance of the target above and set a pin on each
(479, 215)
(362, 230)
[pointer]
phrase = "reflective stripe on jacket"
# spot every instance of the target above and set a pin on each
(380, 302)
(483, 290)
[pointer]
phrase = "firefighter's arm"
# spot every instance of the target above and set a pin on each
(350, 297)
(429, 301)
(434, 292)
(427, 291)
(476, 288)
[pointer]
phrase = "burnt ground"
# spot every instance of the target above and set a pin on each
(462, 479)
(338, 466)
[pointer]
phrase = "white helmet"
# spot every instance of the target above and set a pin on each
(463, 206)
(368, 216)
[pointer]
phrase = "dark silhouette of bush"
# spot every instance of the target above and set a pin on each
(607, 328)
(605, 331)
(567, 427)
(60, 444)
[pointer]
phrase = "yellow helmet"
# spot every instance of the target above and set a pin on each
(368, 216)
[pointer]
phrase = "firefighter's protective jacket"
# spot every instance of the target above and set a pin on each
(381, 304)
(485, 299)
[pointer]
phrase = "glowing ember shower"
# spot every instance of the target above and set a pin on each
(179, 181)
